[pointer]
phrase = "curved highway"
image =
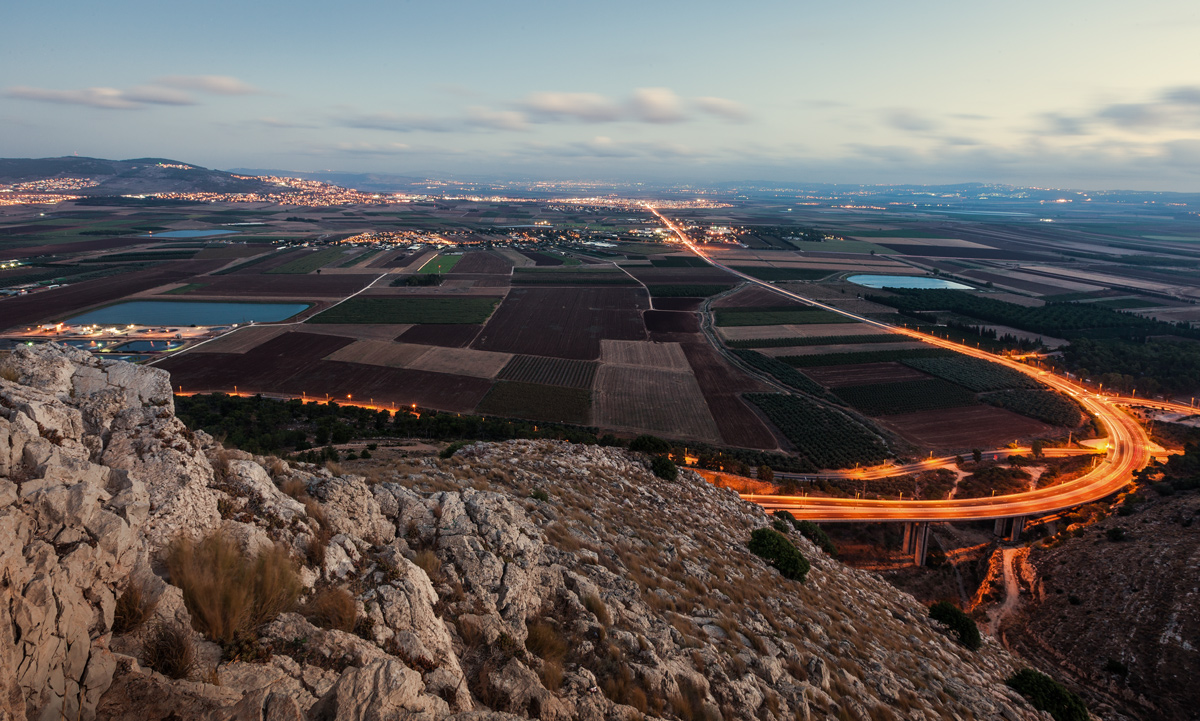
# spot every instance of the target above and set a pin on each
(1128, 448)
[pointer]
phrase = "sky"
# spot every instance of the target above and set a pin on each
(1052, 93)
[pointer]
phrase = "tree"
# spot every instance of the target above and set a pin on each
(649, 444)
(664, 468)
(977, 455)
(1046, 694)
(773, 546)
(1037, 448)
(766, 474)
(961, 625)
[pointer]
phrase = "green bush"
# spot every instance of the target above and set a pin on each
(1046, 694)
(960, 624)
(817, 535)
(664, 468)
(773, 546)
(453, 448)
(649, 444)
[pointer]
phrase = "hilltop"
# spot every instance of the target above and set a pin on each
(120, 177)
(521, 579)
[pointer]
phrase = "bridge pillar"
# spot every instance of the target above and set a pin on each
(920, 543)
(1018, 525)
(909, 537)
(1010, 528)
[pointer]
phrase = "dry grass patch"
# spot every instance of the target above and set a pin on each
(428, 562)
(168, 650)
(331, 607)
(133, 608)
(227, 594)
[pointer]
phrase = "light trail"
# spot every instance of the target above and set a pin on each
(1128, 447)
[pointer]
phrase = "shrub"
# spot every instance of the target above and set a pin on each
(168, 649)
(539, 495)
(664, 468)
(428, 562)
(766, 474)
(781, 525)
(1074, 600)
(546, 642)
(773, 546)
(961, 625)
(817, 535)
(1115, 534)
(133, 608)
(227, 594)
(1112, 665)
(331, 607)
(593, 603)
(453, 448)
(649, 444)
(1046, 694)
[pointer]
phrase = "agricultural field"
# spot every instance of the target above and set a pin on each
(564, 322)
(781, 315)
(782, 372)
(1044, 405)
(684, 290)
(773, 274)
(861, 357)
(886, 399)
(723, 387)
(447, 335)
(549, 371)
(828, 438)
(792, 342)
(440, 265)
(645, 400)
(512, 399)
(862, 374)
(460, 310)
(308, 261)
(661, 356)
(973, 373)
(484, 262)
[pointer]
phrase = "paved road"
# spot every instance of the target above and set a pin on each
(1128, 449)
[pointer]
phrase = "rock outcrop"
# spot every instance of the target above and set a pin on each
(622, 596)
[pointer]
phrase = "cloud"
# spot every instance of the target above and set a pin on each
(727, 109)
(910, 121)
(282, 124)
(656, 105)
(372, 148)
(588, 107)
(1177, 107)
(107, 98)
(603, 146)
(481, 117)
(398, 123)
(212, 84)
(1056, 124)
(162, 91)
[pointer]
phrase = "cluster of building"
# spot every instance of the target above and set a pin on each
(50, 185)
(8, 198)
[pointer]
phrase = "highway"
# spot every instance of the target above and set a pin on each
(1128, 448)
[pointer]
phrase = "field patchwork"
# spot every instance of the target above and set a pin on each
(661, 402)
(549, 371)
(390, 310)
(642, 354)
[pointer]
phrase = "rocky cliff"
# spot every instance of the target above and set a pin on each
(520, 579)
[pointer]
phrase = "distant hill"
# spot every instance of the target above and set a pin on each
(366, 182)
(123, 177)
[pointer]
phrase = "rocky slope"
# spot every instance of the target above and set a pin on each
(520, 579)
(1120, 618)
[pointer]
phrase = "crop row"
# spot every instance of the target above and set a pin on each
(877, 356)
(769, 274)
(814, 340)
(308, 262)
(1063, 320)
(826, 436)
(689, 290)
(974, 373)
(885, 399)
(1046, 406)
(782, 372)
(727, 317)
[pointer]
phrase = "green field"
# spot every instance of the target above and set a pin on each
(185, 289)
(361, 257)
(769, 274)
(513, 399)
(440, 264)
(787, 315)
(686, 290)
(309, 261)
(409, 310)
(815, 340)
(876, 356)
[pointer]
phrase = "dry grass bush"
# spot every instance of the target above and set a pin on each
(295, 488)
(314, 555)
(428, 562)
(133, 608)
(227, 594)
(276, 467)
(331, 607)
(596, 606)
(168, 650)
(689, 703)
(220, 464)
(334, 467)
(547, 643)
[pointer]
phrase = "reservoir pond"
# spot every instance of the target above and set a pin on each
(906, 281)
